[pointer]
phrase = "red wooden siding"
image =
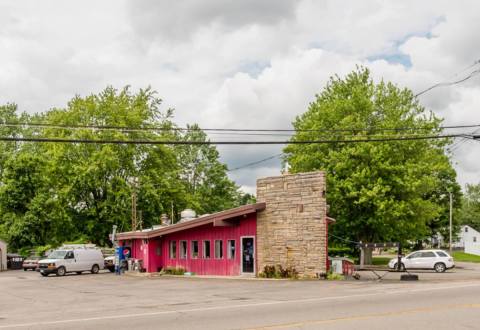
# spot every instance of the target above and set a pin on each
(148, 252)
(211, 266)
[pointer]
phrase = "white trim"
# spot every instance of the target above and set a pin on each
(254, 256)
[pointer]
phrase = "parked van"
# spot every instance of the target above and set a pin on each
(72, 259)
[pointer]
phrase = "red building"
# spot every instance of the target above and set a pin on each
(287, 227)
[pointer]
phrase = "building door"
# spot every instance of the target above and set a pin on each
(248, 255)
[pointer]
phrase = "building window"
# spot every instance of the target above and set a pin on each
(466, 229)
(173, 249)
(218, 249)
(231, 249)
(158, 251)
(183, 249)
(194, 253)
(206, 249)
(474, 239)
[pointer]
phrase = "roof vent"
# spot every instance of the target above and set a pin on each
(187, 215)
(164, 220)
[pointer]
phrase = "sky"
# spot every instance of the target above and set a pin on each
(242, 64)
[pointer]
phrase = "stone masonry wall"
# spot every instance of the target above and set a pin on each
(292, 231)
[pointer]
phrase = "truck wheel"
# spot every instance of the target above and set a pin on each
(95, 269)
(61, 271)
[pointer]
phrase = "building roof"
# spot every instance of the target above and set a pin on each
(217, 219)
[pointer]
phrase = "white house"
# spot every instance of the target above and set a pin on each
(468, 239)
(3, 255)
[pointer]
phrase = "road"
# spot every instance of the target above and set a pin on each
(107, 301)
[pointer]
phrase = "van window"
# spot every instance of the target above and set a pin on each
(69, 255)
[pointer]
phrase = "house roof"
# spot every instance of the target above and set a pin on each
(217, 219)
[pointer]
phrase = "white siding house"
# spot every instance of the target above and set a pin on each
(469, 239)
(3, 255)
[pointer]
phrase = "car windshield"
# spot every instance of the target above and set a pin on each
(57, 255)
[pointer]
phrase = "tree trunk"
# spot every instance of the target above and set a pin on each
(367, 255)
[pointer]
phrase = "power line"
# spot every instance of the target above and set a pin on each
(219, 130)
(472, 74)
(255, 163)
(171, 142)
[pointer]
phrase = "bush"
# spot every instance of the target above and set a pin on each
(335, 277)
(174, 271)
(278, 272)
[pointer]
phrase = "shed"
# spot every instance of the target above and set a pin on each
(3, 256)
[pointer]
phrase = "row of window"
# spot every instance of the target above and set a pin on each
(195, 249)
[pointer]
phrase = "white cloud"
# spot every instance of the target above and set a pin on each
(240, 63)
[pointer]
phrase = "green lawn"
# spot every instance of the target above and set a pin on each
(380, 261)
(461, 256)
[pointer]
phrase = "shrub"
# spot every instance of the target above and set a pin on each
(335, 277)
(278, 272)
(174, 271)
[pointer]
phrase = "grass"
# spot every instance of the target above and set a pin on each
(466, 257)
(380, 261)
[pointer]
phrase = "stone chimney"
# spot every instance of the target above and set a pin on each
(292, 230)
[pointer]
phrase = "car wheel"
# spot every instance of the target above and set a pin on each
(79, 273)
(402, 267)
(95, 269)
(440, 267)
(44, 274)
(111, 269)
(61, 271)
(25, 269)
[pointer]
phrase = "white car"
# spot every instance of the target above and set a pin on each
(437, 260)
(76, 260)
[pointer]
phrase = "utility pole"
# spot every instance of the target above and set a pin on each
(451, 205)
(134, 182)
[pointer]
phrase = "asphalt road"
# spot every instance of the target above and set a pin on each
(106, 301)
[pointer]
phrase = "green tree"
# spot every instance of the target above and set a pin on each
(204, 176)
(56, 192)
(470, 211)
(377, 191)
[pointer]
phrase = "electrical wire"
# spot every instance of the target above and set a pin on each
(255, 163)
(230, 130)
(171, 142)
(344, 239)
(472, 74)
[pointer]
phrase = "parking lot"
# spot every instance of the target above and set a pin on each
(105, 300)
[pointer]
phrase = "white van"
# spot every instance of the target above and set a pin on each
(68, 260)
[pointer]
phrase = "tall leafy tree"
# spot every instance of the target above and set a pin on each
(205, 177)
(54, 192)
(377, 191)
(470, 211)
